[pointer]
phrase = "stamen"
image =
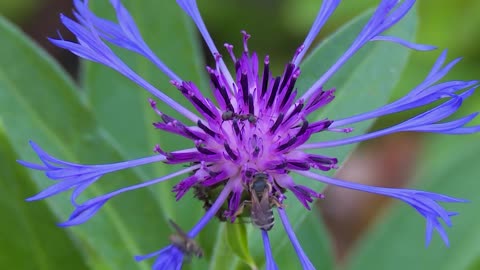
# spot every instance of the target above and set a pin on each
(201, 148)
(320, 125)
(286, 76)
(303, 128)
(153, 104)
(297, 165)
(266, 75)
(251, 109)
(321, 98)
(213, 77)
(238, 65)
(158, 150)
(295, 111)
(206, 129)
(273, 93)
(230, 151)
(277, 165)
(188, 132)
(291, 85)
(246, 37)
(168, 119)
(229, 48)
(244, 85)
(215, 178)
(236, 128)
(287, 144)
(277, 123)
(223, 93)
(202, 106)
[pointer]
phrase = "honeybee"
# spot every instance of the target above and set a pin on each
(186, 244)
(261, 212)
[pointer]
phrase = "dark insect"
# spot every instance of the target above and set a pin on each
(229, 115)
(186, 244)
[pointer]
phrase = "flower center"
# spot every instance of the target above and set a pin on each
(252, 130)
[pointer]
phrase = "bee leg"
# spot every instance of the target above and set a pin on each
(241, 207)
(274, 201)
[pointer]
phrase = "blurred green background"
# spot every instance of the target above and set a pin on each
(277, 28)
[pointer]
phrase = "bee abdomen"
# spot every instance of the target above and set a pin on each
(266, 222)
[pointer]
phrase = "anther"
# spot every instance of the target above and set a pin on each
(204, 150)
(303, 128)
(297, 110)
(286, 76)
(266, 75)
(206, 129)
(202, 106)
(223, 93)
(236, 128)
(291, 85)
(230, 151)
(287, 144)
(244, 85)
(251, 109)
(277, 123)
(273, 93)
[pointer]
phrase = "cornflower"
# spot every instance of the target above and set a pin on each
(254, 135)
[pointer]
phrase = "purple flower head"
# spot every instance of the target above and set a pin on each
(254, 134)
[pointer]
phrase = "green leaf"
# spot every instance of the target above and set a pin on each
(449, 167)
(28, 240)
(122, 107)
(236, 235)
(364, 83)
(39, 102)
(222, 257)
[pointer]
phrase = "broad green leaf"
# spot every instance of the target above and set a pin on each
(39, 102)
(449, 167)
(28, 231)
(222, 257)
(363, 84)
(122, 108)
(236, 235)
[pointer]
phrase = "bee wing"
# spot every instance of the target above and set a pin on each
(262, 205)
(177, 228)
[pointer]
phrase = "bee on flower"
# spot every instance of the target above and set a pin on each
(248, 141)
